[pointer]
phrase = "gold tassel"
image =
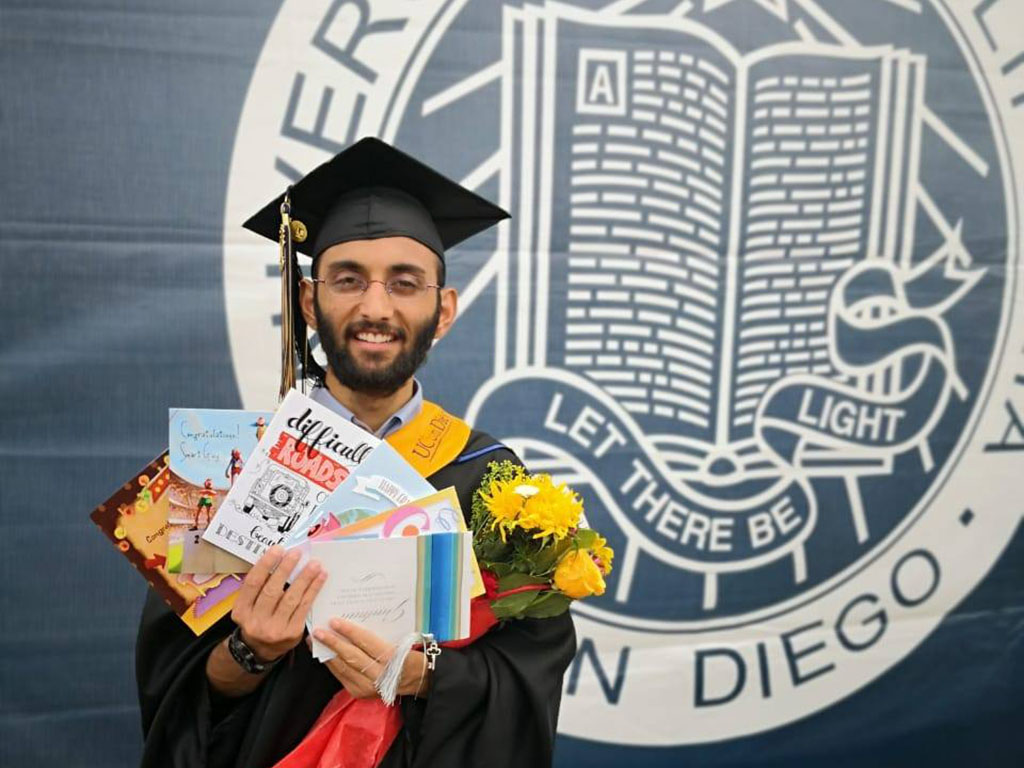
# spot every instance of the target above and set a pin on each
(287, 261)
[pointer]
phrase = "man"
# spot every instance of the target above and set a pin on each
(376, 223)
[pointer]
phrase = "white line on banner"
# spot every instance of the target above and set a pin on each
(462, 88)
(958, 145)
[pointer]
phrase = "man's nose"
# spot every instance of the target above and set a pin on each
(376, 302)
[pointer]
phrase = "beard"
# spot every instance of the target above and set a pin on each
(380, 381)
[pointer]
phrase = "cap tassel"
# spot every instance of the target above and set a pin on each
(287, 264)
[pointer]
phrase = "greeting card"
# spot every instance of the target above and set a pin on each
(135, 519)
(394, 587)
(306, 452)
(208, 451)
(382, 482)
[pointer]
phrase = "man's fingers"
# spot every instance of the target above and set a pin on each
(353, 657)
(350, 666)
(297, 589)
(371, 657)
(273, 587)
(369, 643)
(305, 598)
(342, 665)
(357, 685)
(257, 576)
(335, 642)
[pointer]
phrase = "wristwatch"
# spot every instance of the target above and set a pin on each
(245, 656)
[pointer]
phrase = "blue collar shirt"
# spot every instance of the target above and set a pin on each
(392, 424)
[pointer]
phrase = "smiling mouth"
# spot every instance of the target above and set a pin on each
(374, 338)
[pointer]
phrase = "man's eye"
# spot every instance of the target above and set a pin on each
(347, 283)
(405, 285)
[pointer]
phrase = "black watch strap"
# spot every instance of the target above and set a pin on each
(244, 656)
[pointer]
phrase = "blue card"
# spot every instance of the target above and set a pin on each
(383, 481)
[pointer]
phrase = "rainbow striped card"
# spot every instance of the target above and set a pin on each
(396, 586)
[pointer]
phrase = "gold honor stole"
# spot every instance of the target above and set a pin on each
(432, 440)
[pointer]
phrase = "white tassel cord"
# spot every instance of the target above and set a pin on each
(387, 683)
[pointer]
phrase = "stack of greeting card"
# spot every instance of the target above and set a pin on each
(440, 590)
(233, 483)
(157, 518)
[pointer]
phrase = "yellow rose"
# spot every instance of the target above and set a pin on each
(578, 576)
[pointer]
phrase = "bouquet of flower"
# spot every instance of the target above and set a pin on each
(530, 545)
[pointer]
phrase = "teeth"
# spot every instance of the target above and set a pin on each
(375, 338)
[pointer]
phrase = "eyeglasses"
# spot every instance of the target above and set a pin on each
(352, 284)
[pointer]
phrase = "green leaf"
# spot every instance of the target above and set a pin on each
(548, 605)
(495, 550)
(501, 569)
(586, 538)
(546, 558)
(513, 606)
(516, 580)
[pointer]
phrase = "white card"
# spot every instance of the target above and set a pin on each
(306, 452)
(372, 582)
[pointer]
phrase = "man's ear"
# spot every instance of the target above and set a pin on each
(306, 289)
(449, 309)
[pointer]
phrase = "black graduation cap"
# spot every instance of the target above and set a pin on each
(372, 190)
(367, 191)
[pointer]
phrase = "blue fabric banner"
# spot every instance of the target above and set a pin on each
(759, 302)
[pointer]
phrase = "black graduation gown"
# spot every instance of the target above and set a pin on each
(493, 703)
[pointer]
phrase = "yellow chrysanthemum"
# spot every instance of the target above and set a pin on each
(550, 510)
(503, 504)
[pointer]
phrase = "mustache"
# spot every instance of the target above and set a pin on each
(368, 326)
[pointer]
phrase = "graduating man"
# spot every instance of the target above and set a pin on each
(377, 224)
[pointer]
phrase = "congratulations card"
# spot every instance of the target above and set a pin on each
(208, 450)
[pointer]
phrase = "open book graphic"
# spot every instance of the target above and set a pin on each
(685, 214)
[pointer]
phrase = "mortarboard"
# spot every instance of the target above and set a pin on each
(372, 190)
(367, 191)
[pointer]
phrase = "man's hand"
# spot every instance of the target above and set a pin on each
(362, 656)
(271, 617)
